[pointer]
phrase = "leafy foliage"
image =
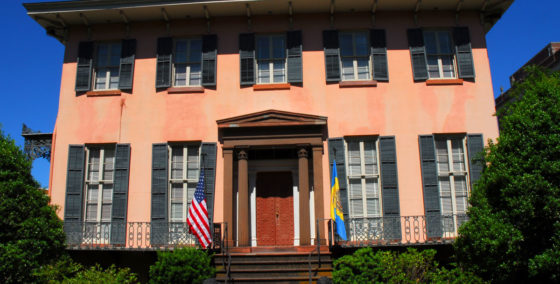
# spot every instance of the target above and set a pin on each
(514, 230)
(185, 265)
(67, 271)
(365, 266)
(30, 232)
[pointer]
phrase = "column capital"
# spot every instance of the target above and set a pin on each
(302, 153)
(242, 155)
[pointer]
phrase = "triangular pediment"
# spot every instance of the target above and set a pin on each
(272, 118)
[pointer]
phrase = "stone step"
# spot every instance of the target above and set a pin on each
(275, 273)
(294, 279)
(280, 257)
(275, 264)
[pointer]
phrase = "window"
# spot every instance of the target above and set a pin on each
(453, 181)
(271, 59)
(107, 63)
(363, 178)
(355, 56)
(187, 62)
(99, 192)
(440, 54)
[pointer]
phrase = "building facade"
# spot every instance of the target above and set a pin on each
(266, 97)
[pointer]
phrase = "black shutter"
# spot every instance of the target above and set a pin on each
(475, 145)
(390, 188)
(209, 155)
(332, 59)
(417, 54)
(463, 51)
(159, 226)
(209, 55)
(379, 55)
(126, 70)
(430, 186)
(74, 192)
(294, 50)
(164, 61)
(247, 59)
(336, 152)
(120, 194)
(85, 66)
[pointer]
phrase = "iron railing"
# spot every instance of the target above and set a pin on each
(401, 230)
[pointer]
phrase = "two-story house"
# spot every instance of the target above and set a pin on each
(267, 96)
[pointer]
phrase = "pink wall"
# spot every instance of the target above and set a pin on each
(399, 107)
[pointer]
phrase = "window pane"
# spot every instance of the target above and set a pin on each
(354, 166)
(442, 158)
(355, 188)
(430, 42)
(373, 209)
(445, 195)
(346, 48)
(180, 51)
(264, 72)
(278, 47)
(91, 212)
(361, 43)
(108, 163)
(363, 68)
(101, 78)
(106, 212)
(102, 54)
(370, 157)
(263, 47)
(279, 71)
(115, 54)
(196, 51)
(192, 162)
(195, 75)
(460, 194)
(433, 66)
(191, 188)
(447, 65)
(357, 207)
(176, 211)
(177, 192)
(372, 188)
(444, 42)
(347, 69)
(180, 74)
(458, 155)
(94, 164)
(114, 78)
(93, 193)
(107, 193)
(177, 162)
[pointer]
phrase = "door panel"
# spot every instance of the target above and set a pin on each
(275, 209)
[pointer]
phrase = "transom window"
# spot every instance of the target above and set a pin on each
(183, 177)
(187, 62)
(363, 178)
(107, 63)
(271, 59)
(453, 181)
(355, 56)
(440, 54)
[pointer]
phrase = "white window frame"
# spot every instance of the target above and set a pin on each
(451, 174)
(441, 54)
(108, 66)
(184, 179)
(187, 62)
(271, 59)
(355, 57)
(101, 226)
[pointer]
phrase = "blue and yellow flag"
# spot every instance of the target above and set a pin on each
(336, 206)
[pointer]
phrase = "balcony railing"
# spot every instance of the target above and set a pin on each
(377, 231)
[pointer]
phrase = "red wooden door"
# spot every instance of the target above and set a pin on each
(275, 209)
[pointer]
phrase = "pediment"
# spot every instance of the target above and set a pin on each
(272, 118)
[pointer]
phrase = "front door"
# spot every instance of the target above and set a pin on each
(275, 209)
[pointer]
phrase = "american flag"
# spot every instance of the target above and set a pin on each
(198, 215)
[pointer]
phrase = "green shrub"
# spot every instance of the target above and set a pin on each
(185, 265)
(366, 266)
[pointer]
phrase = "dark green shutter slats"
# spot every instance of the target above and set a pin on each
(336, 151)
(379, 55)
(164, 62)
(159, 225)
(209, 153)
(475, 145)
(389, 188)
(430, 186)
(84, 67)
(126, 69)
(294, 50)
(209, 55)
(332, 56)
(417, 54)
(463, 51)
(247, 59)
(74, 193)
(120, 194)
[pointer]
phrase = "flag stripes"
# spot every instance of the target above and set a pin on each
(198, 215)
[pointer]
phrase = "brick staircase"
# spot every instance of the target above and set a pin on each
(273, 265)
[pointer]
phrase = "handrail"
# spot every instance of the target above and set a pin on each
(318, 249)
(228, 254)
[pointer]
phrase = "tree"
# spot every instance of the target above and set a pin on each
(31, 234)
(513, 234)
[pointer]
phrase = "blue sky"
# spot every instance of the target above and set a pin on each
(32, 62)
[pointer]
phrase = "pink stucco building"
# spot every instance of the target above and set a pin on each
(265, 96)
